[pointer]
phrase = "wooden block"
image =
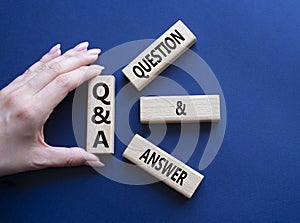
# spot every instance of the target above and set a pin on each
(163, 166)
(159, 55)
(176, 109)
(101, 114)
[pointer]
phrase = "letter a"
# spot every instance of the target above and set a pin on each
(145, 155)
(100, 139)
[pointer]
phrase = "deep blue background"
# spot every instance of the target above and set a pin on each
(253, 48)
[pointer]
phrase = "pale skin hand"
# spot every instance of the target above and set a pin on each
(27, 102)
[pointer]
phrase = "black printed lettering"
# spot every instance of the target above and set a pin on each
(157, 56)
(105, 95)
(100, 139)
(175, 174)
(145, 155)
(151, 60)
(182, 176)
(178, 36)
(168, 168)
(160, 163)
(153, 159)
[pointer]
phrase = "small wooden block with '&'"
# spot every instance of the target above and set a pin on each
(163, 166)
(101, 114)
(176, 109)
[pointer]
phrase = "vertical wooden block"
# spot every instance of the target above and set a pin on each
(101, 114)
(163, 166)
(159, 55)
(176, 109)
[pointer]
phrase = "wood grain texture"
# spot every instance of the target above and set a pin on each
(101, 114)
(159, 55)
(176, 109)
(163, 166)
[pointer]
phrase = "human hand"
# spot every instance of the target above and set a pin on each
(27, 102)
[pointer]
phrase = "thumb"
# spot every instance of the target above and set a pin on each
(63, 157)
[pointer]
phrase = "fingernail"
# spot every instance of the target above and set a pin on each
(95, 70)
(81, 46)
(98, 67)
(101, 67)
(54, 49)
(94, 164)
(90, 156)
(95, 51)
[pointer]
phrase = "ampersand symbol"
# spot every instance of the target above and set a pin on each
(98, 113)
(180, 110)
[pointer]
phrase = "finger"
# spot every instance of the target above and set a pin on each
(81, 46)
(55, 91)
(52, 54)
(69, 61)
(20, 80)
(64, 157)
